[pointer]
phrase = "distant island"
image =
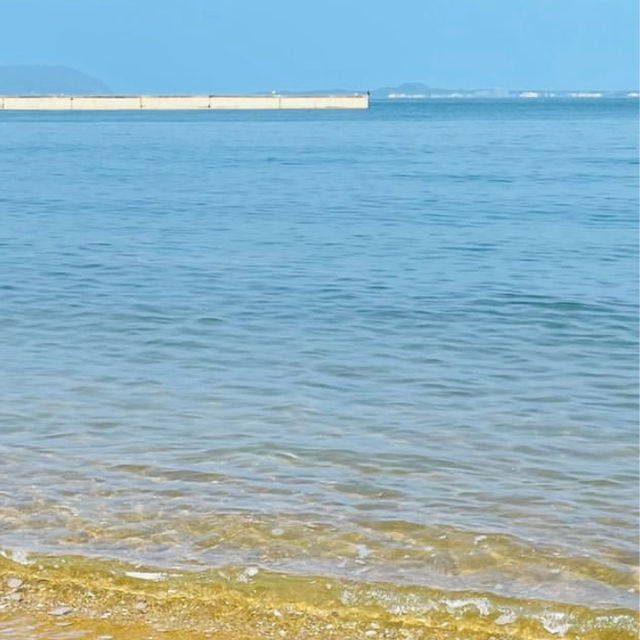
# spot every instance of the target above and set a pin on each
(28, 80)
(420, 91)
(53, 80)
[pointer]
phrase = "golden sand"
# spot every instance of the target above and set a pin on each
(77, 598)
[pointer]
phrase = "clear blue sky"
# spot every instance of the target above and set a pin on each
(251, 45)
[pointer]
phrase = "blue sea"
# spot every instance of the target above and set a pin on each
(392, 351)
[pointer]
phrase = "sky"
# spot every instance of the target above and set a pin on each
(253, 45)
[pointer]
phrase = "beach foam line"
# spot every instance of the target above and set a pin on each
(90, 597)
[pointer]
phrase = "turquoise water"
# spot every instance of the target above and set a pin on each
(364, 345)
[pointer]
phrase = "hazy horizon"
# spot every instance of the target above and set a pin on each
(47, 79)
(238, 47)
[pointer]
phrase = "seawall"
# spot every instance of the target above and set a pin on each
(110, 103)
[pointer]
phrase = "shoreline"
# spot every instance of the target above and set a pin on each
(113, 599)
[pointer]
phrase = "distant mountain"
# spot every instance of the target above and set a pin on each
(46, 80)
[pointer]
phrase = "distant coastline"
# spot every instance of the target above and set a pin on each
(496, 94)
(43, 80)
(525, 95)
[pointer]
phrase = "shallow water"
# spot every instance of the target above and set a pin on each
(395, 347)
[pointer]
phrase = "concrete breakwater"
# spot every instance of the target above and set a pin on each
(109, 103)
